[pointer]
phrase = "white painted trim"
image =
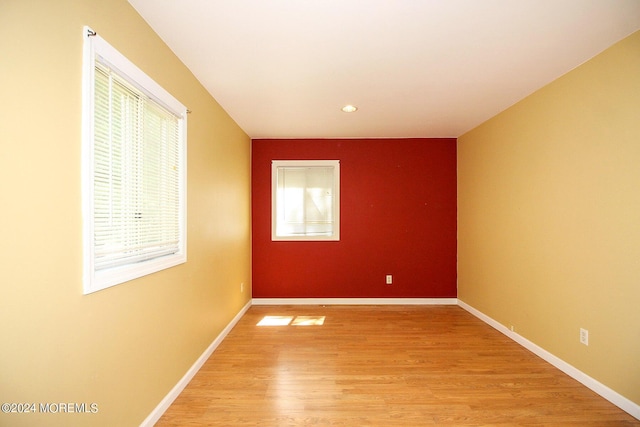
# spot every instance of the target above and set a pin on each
(355, 301)
(155, 415)
(612, 396)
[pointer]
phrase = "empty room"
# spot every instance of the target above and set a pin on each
(336, 212)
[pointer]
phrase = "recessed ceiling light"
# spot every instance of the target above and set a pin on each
(349, 108)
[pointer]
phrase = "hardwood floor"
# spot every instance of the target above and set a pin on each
(381, 366)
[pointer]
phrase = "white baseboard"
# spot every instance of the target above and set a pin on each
(155, 415)
(355, 301)
(617, 399)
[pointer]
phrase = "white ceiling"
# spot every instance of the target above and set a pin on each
(414, 68)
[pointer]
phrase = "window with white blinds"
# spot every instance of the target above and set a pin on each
(134, 171)
(306, 200)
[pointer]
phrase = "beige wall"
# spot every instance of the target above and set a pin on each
(123, 348)
(549, 217)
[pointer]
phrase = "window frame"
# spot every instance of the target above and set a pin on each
(275, 164)
(95, 49)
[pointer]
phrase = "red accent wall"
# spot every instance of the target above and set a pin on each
(398, 216)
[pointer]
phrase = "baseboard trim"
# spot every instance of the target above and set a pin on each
(612, 396)
(355, 301)
(155, 415)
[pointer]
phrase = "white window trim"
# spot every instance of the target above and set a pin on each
(275, 164)
(92, 280)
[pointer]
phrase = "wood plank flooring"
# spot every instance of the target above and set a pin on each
(382, 366)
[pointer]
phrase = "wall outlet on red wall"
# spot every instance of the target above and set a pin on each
(389, 279)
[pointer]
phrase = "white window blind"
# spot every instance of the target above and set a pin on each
(135, 201)
(306, 200)
(136, 209)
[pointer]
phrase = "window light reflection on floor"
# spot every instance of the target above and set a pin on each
(275, 321)
(289, 320)
(308, 321)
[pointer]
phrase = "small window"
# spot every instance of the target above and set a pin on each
(305, 200)
(134, 170)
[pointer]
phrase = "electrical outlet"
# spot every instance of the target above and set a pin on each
(389, 279)
(242, 287)
(584, 336)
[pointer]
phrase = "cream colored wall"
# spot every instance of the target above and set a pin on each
(123, 348)
(549, 217)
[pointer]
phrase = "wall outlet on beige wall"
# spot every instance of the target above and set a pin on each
(584, 336)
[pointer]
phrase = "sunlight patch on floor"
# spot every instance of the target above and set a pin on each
(290, 320)
(308, 321)
(275, 321)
